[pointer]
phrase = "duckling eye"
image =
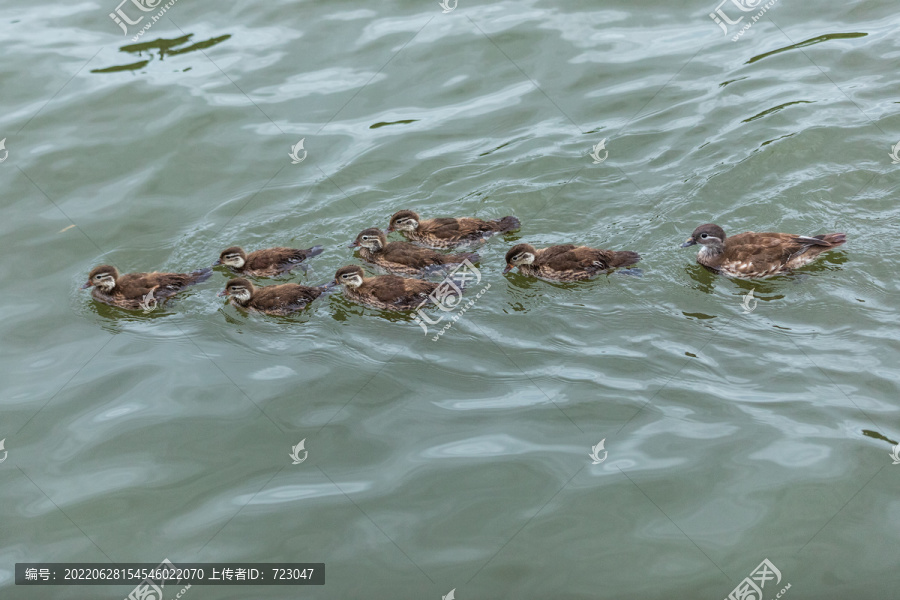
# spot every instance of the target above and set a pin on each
(365, 237)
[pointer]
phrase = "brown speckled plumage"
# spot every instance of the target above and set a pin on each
(271, 299)
(386, 292)
(448, 232)
(131, 290)
(267, 262)
(756, 255)
(402, 257)
(566, 262)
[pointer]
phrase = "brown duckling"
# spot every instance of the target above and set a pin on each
(139, 290)
(265, 263)
(566, 262)
(749, 255)
(403, 257)
(387, 292)
(271, 299)
(448, 232)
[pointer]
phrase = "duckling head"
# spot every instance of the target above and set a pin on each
(240, 289)
(372, 239)
(232, 257)
(404, 220)
(350, 276)
(104, 277)
(520, 254)
(709, 236)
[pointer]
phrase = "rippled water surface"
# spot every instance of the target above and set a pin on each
(463, 463)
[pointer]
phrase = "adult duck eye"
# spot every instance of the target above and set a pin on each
(704, 236)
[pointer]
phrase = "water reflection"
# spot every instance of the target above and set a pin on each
(775, 109)
(878, 436)
(163, 47)
(809, 42)
(705, 278)
(385, 124)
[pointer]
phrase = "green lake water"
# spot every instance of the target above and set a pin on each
(463, 464)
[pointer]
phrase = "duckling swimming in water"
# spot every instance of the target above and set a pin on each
(448, 232)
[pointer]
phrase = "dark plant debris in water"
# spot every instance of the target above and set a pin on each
(164, 47)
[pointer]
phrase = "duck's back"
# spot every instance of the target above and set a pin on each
(270, 257)
(770, 246)
(285, 296)
(132, 285)
(410, 255)
(570, 258)
(450, 227)
(391, 289)
(754, 254)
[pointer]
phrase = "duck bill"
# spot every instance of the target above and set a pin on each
(390, 229)
(508, 269)
(86, 286)
(354, 245)
(690, 242)
(217, 263)
(222, 293)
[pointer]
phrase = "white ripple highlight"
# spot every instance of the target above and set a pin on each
(482, 446)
